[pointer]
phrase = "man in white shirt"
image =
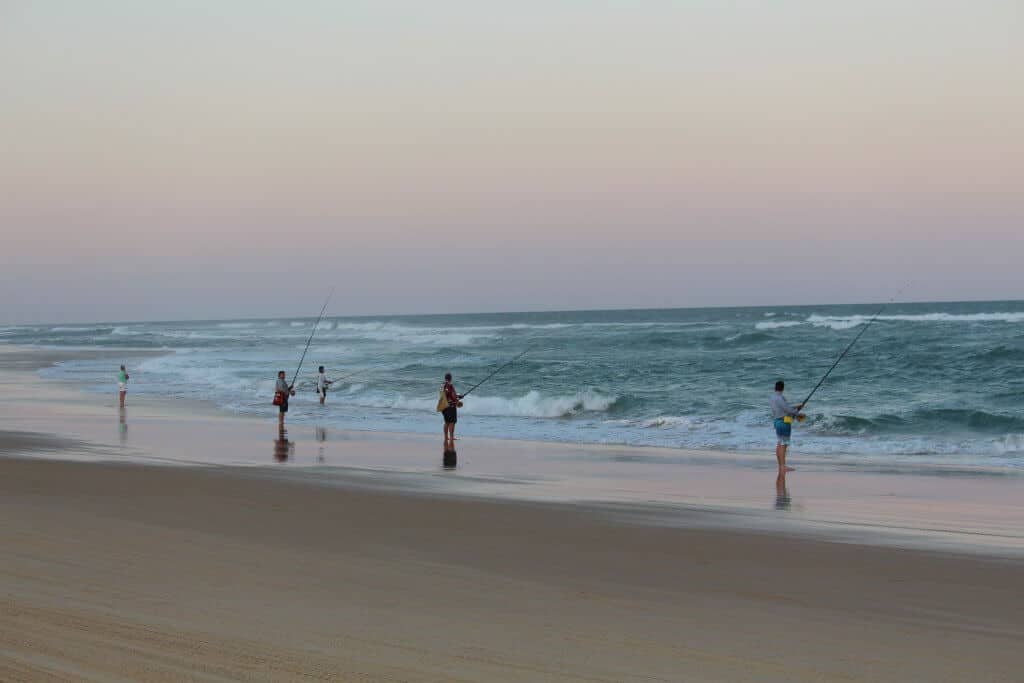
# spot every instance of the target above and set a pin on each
(782, 419)
(321, 385)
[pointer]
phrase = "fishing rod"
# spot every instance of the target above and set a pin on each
(848, 347)
(310, 340)
(466, 393)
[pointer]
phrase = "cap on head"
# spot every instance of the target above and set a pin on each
(321, 368)
(280, 373)
(447, 377)
(122, 367)
(780, 385)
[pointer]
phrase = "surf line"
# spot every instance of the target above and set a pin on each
(466, 393)
(312, 332)
(848, 347)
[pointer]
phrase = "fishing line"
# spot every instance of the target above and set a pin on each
(848, 347)
(310, 340)
(466, 393)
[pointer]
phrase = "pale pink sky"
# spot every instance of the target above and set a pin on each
(192, 159)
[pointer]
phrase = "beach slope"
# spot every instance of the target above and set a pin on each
(125, 572)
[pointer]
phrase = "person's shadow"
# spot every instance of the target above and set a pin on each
(449, 459)
(283, 448)
(782, 499)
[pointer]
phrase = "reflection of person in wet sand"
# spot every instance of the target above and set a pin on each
(321, 437)
(449, 458)
(782, 499)
(122, 426)
(282, 446)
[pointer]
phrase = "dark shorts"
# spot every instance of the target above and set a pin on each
(451, 415)
(284, 406)
(783, 430)
(322, 392)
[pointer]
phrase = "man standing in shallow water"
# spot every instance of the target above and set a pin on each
(782, 416)
(451, 413)
(285, 390)
(122, 384)
(321, 385)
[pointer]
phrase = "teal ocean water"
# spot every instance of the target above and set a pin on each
(932, 384)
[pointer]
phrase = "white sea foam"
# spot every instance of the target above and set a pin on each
(772, 325)
(1009, 444)
(406, 334)
(79, 329)
(845, 322)
(667, 422)
(531, 404)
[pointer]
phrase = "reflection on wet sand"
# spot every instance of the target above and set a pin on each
(283, 448)
(782, 499)
(449, 459)
(122, 426)
(321, 437)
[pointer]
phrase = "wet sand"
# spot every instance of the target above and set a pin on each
(131, 571)
(116, 572)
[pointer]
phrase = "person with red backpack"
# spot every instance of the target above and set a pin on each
(448, 405)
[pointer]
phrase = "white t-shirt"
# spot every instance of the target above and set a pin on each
(321, 382)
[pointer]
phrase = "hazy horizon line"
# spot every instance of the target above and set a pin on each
(509, 312)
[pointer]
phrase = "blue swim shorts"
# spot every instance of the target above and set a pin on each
(783, 430)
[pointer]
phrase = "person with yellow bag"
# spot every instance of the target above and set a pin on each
(782, 416)
(448, 403)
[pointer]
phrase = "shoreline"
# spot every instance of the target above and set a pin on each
(973, 514)
(39, 358)
(167, 542)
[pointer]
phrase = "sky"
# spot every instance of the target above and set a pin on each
(239, 158)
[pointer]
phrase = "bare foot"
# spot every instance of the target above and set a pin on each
(791, 469)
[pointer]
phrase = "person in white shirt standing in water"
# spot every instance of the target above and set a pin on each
(321, 385)
(782, 419)
(122, 384)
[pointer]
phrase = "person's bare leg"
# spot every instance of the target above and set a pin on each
(122, 397)
(780, 455)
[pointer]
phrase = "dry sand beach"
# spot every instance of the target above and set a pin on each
(229, 566)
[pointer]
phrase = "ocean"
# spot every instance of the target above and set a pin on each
(929, 384)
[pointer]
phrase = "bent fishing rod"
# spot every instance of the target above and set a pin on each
(466, 393)
(310, 340)
(848, 347)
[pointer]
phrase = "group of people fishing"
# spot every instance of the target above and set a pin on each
(449, 400)
(448, 403)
